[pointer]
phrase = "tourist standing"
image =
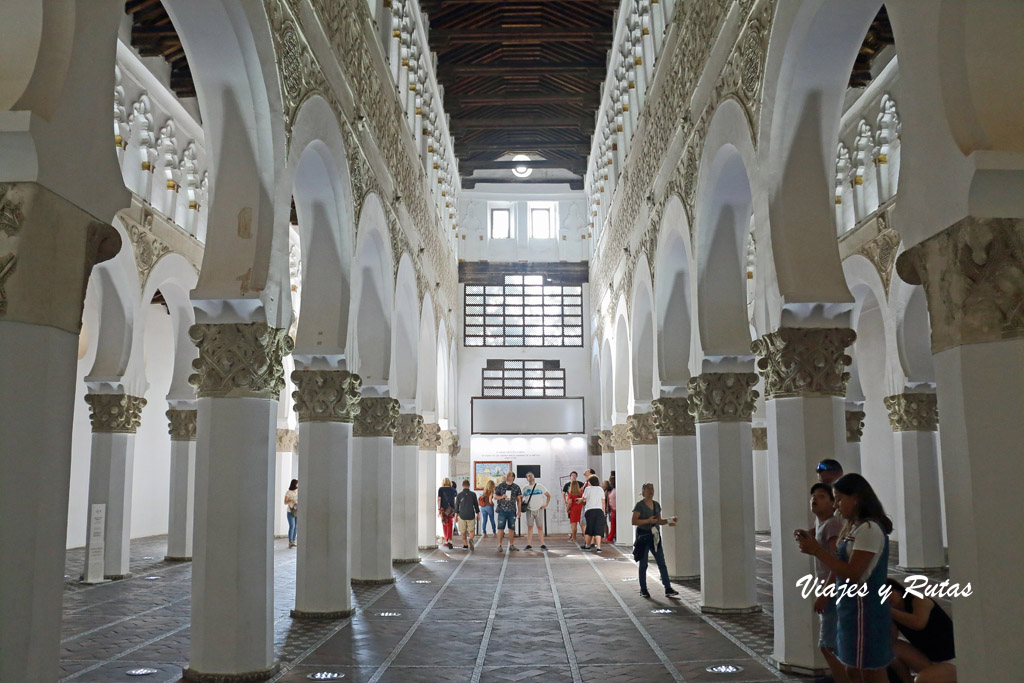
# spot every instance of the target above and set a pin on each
(487, 507)
(611, 510)
(565, 499)
(446, 509)
(647, 518)
(291, 503)
(510, 498)
(864, 643)
(594, 511)
(469, 514)
(829, 471)
(575, 507)
(826, 532)
(534, 506)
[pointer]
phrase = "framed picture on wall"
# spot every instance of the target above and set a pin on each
(489, 470)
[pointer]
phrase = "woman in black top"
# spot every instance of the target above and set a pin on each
(928, 630)
(646, 517)
(446, 509)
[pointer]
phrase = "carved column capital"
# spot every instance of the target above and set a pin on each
(604, 438)
(641, 429)
(759, 438)
(913, 412)
(449, 443)
(287, 440)
(973, 277)
(115, 413)
(377, 416)
(594, 445)
(804, 361)
(326, 395)
(182, 424)
(620, 437)
(239, 360)
(672, 417)
(723, 396)
(854, 425)
(409, 430)
(431, 438)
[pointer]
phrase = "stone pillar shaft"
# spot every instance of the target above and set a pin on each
(679, 492)
(625, 495)
(762, 481)
(604, 438)
(372, 472)
(644, 441)
(405, 491)
(181, 502)
(426, 520)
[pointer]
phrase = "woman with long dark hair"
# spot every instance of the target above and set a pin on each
(865, 621)
(291, 502)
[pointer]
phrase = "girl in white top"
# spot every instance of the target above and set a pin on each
(291, 501)
(594, 508)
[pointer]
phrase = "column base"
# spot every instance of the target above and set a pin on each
(373, 582)
(692, 577)
(753, 609)
(428, 547)
(803, 670)
(171, 558)
(338, 614)
(410, 560)
(922, 570)
(247, 677)
(117, 577)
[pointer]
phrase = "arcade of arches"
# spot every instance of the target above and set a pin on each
(759, 233)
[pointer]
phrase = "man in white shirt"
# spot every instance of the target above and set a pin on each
(533, 506)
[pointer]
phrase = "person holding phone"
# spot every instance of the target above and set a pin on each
(647, 518)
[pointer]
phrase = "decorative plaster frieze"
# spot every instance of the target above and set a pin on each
(672, 416)
(913, 412)
(431, 439)
(182, 424)
(759, 438)
(804, 361)
(973, 277)
(594, 445)
(854, 425)
(620, 437)
(326, 395)
(723, 396)
(604, 437)
(147, 246)
(881, 250)
(239, 360)
(409, 431)
(377, 416)
(115, 413)
(287, 441)
(641, 429)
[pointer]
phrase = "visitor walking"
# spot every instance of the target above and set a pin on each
(647, 518)
(594, 511)
(487, 507)
(864, 643)
(291, 502)
(469, 514)
(446, 509)
(534, 508)
(575, 506)
(510, 498)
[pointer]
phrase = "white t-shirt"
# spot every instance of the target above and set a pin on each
(538, 490)
(823, 532)
(869, 537)
(593, 495)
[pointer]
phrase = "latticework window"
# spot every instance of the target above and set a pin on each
(524, 311)
(523, 379)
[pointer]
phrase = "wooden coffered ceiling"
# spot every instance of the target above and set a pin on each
(879, 36)
(153, 35)
(521, 76)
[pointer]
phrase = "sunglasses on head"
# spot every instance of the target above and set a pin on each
(822, 468)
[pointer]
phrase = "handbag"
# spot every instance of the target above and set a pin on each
(526, 505)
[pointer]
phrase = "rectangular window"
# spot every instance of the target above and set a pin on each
(543, 220)
(523, 379)
(524, 310)
(501, 224)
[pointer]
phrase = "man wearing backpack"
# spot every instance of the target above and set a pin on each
(469, 514)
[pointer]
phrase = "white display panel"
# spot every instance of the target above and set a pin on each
(527, 415)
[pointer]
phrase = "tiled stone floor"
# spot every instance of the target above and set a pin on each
(456, 616)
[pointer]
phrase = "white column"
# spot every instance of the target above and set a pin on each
(426, 519)
(181, 505)
(854, 432)
(285, 469)
(679, 492)
(723, 404)
(644, 442)
(762, 480)
(625, 494)
(914, 420)
(805, 386)
(405, 491)
(115, 418)
(325, 402)
(604, 437)
(372, 470)
(239, 378)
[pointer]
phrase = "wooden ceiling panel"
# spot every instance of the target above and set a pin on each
(153, 35)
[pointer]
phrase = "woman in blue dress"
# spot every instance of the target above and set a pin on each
(865, 621)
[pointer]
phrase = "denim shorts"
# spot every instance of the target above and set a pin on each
(829, 622)
(507, 517)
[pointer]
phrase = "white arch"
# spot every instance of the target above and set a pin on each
(644, 347)
(426, 367)
(607, 384)
(673, 296)
(174, 277)
(621, 392)
(372, 296)
(405, 331)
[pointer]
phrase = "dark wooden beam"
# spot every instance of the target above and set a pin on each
(500, 69)
(607, 5)
(573, 183)
(457, 102)
(558, 272)
(578, 166)
(518, 35)
(523, 145)
(524, 122)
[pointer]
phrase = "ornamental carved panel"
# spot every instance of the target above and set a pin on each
(723, 396)
(326, 395)
(620, 438)
(377, 416)
(804, 361)
(913, 412)
(854, 426)
(115, 413)
(239, 360)
(759, 438)
(181, 424)
(431, 438)
(641, 429)
(409, 430)
(604, 438)
(672, 416)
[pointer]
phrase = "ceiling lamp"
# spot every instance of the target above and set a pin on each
(521, 170)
